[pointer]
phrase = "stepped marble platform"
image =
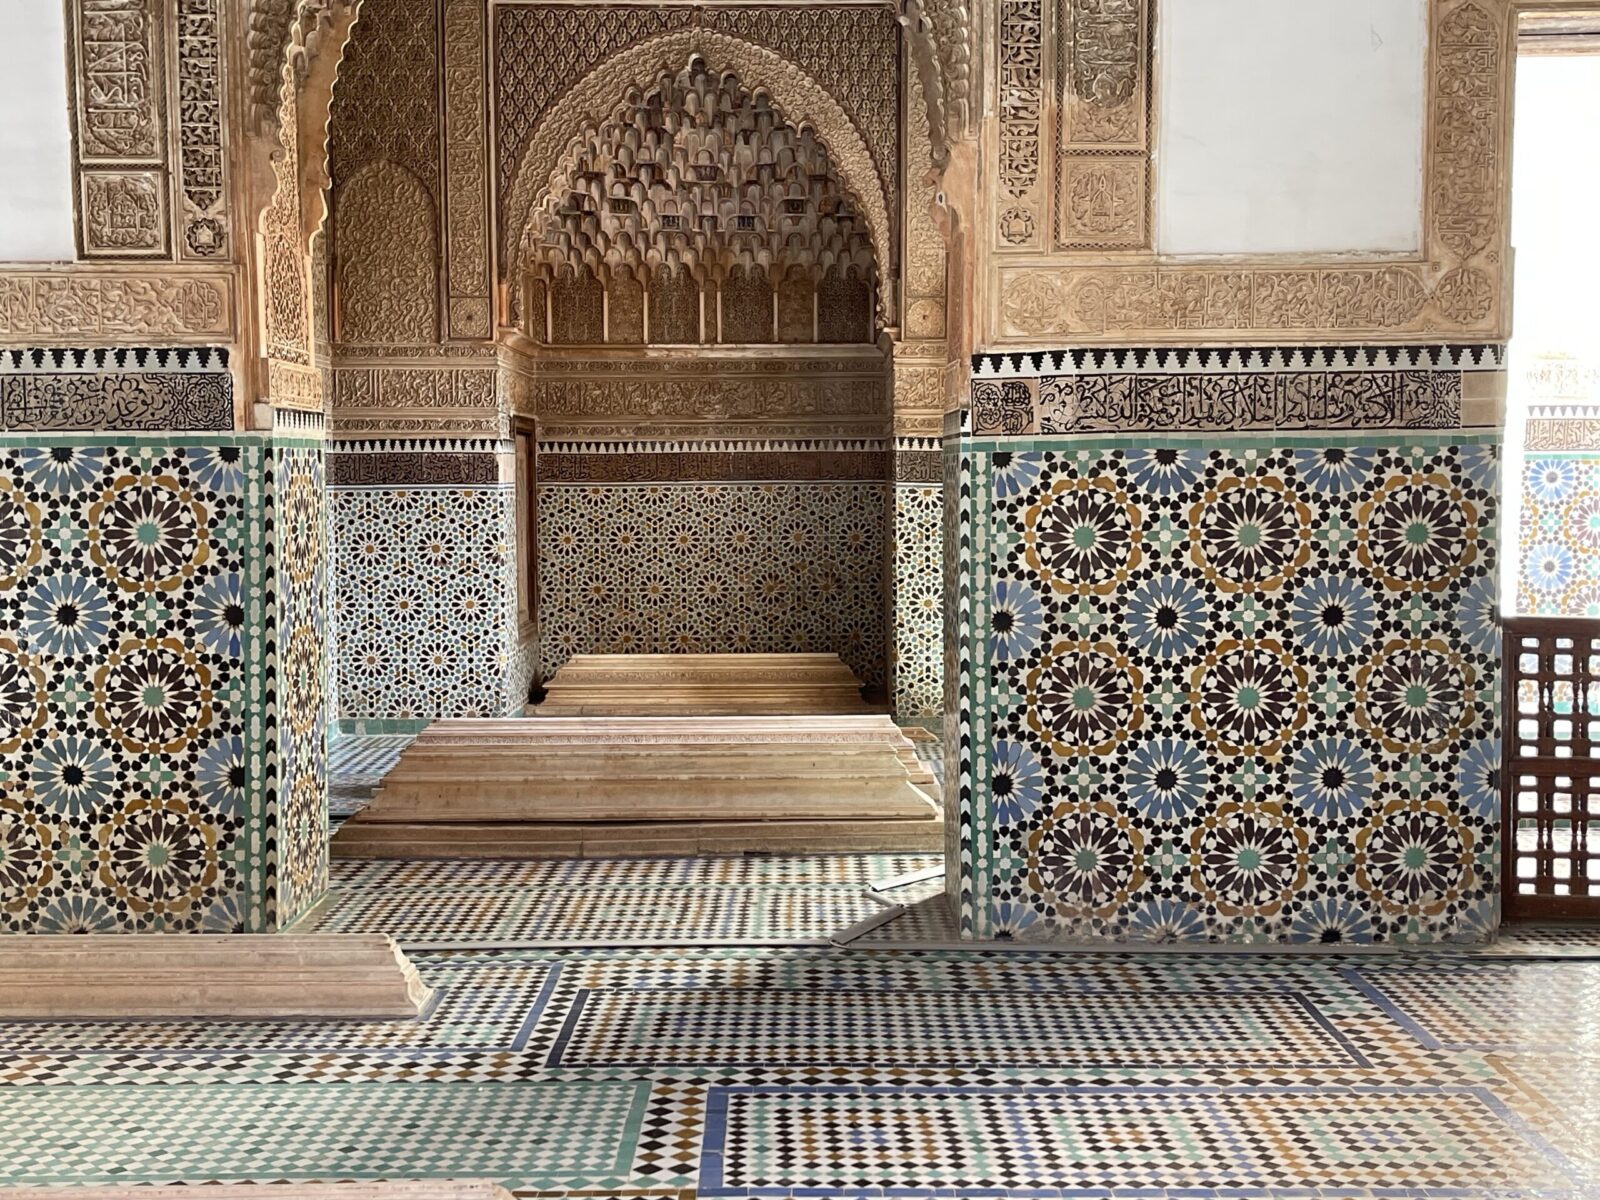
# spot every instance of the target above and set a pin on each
(225, 976)
(731, 685)
(614, 786)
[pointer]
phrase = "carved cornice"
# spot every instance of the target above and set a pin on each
(801, 99)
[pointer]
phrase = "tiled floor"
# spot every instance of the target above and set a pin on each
(673, 1069)
(848, 1072)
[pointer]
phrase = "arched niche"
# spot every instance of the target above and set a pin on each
(702, 189)
(796, 96)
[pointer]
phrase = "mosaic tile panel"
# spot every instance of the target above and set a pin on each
(691, 1029)
(916, 553)
(713, 568)
(1558, 567)
(767, 1141)
(726, 899)
(133, 602)
(301, 537)
(424, 596)
(1244, 692)
(1497, 1006)
(581, 1135)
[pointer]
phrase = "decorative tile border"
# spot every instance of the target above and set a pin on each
(1226, 360)
(124, 390)
(85, 360)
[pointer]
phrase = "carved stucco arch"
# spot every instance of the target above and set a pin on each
(795, 94)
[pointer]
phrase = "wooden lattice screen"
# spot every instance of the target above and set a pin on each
(1550, 777)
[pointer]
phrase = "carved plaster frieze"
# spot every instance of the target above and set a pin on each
(385, 258)
(80, 305)
(201, 195)
(939, 37)
(118, 81)
(647, 465)
(1571, 432)
(287, 35)
(435, 424)
(1205, 402)
(122, 213)
(414, 388)
(924, 264)
(295, 386)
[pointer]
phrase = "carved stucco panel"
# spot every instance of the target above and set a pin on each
(466, 164)
(924, 263)
(385, 253)
(1454, 290)
(202, 191)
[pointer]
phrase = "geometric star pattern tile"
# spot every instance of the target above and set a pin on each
(1559, 536)
(772, 1070)
(424, 600)
(1243, 692)
(717, 913)
(737, 899)
(1488, 1006)
(916, 639)
(363, 760)
(713, 568)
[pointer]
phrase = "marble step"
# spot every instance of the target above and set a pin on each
(577, 740)
(701, 685)
(360, 839)
(632, 769)
(82, 976)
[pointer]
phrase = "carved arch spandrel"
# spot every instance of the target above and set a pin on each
(800, 98)
(295, 49)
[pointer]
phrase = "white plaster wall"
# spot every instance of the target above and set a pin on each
(1289, 126)
(35, 139)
